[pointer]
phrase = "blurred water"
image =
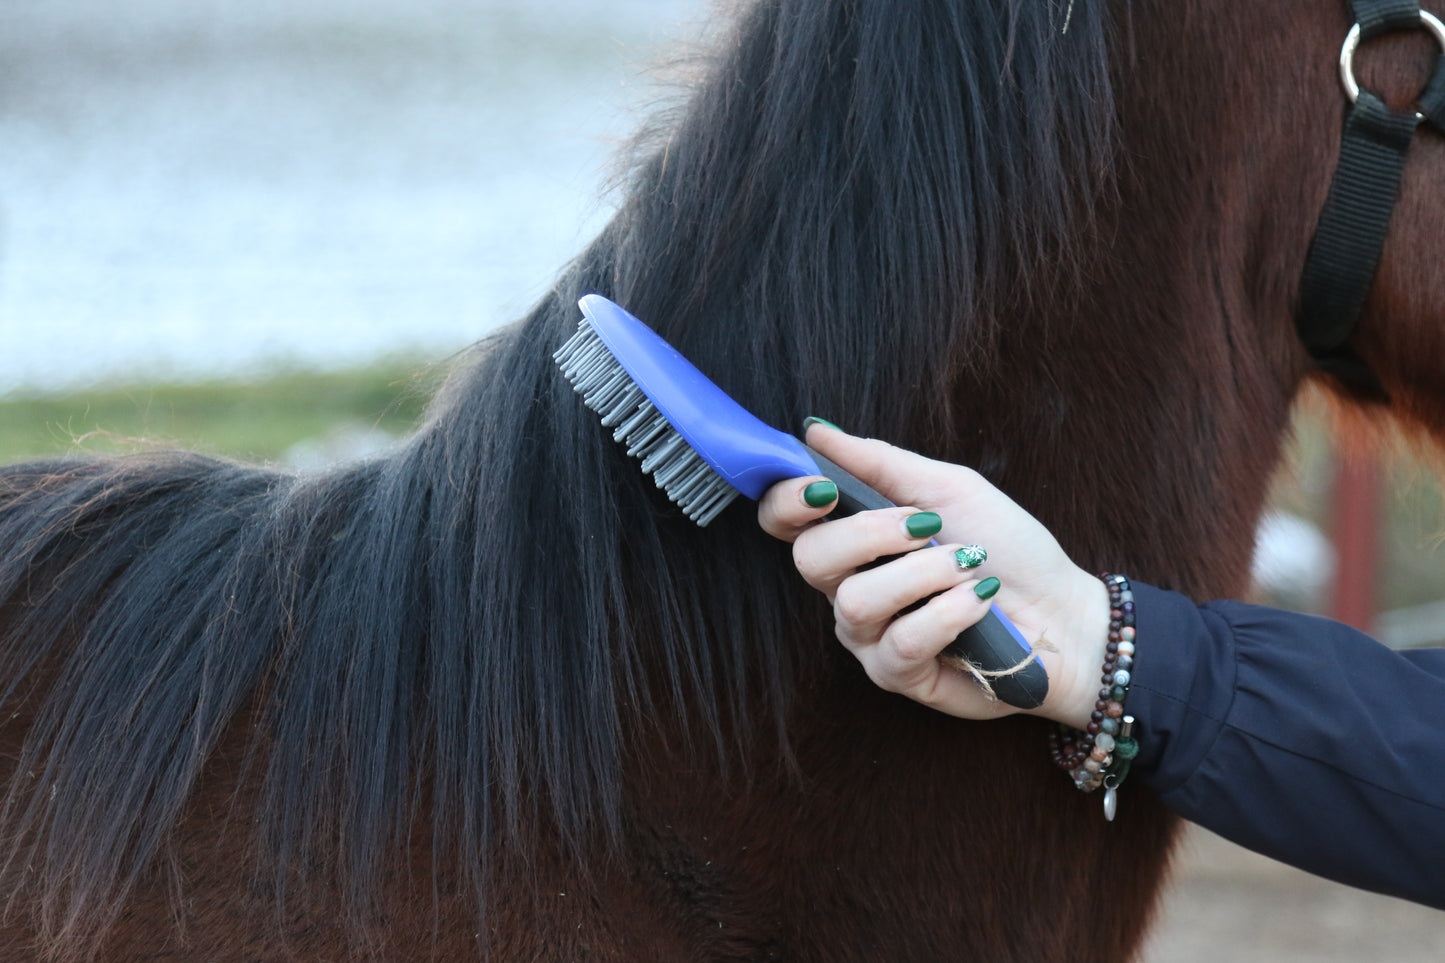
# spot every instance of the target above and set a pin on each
(200, 187)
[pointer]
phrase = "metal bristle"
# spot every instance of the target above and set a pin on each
(607, 389)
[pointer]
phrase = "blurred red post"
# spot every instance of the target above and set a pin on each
(1356, 514)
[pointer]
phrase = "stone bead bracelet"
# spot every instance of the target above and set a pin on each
(1101, 754)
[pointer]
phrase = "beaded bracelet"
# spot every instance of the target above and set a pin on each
(1101, 754)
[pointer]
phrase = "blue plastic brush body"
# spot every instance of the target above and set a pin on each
(746, 452)
(750, 456)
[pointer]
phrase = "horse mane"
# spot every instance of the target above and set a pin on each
(476, 627)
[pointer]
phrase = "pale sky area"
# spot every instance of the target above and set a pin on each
(199, 187)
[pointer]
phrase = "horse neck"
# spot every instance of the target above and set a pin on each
(1166, 380)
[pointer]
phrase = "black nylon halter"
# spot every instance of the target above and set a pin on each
(1345, 250)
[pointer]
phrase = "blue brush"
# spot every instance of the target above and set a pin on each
(704, 449)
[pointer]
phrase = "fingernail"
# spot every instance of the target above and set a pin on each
(969, 557)
(820, 493)
(809, 421)
(922, 524)
(988, 588)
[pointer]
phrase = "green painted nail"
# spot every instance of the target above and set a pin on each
(922, 524)
(970, 556)
(820, 493)
(988, 588)
(810, 421)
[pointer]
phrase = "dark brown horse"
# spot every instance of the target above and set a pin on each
(492, 694)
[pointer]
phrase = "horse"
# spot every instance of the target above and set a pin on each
(489, 695)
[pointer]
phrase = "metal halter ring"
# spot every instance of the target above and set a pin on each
(1352, 42)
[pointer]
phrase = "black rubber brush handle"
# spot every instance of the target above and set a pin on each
(993, 644)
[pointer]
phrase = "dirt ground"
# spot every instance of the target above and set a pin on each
(1226, 903)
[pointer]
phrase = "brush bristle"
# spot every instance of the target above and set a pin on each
(607, 389)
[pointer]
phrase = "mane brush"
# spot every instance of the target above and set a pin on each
(704, 449)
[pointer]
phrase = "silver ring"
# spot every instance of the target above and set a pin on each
(1352, 43)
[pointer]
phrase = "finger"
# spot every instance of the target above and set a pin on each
(825, 555)
(868, 602)
(903, 476)
(905, 658)
(792, 505)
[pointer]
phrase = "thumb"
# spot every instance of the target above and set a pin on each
(904, 477)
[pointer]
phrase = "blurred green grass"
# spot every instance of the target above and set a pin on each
(254, 421)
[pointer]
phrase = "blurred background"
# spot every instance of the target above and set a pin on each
(260, 228)
(191, 188)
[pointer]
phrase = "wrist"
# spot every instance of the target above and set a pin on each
(1081, 637)
(1099, 756)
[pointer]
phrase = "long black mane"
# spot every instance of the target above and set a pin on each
(474, 627)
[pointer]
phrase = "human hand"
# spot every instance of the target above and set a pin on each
(1045, 595)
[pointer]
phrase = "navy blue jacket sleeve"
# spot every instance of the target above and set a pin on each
(1297, 737)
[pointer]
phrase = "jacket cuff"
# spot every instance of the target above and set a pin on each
(1183, 683)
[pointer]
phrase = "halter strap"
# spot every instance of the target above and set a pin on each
(1345, 250)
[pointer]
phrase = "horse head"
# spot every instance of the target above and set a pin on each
(1401, 333)
(1326, 211)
